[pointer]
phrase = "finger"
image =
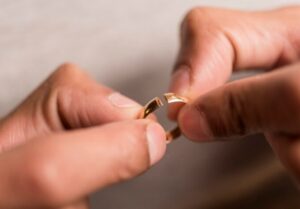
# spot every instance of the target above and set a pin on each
(288, 150)
(67, 99)
(268, 102)
(64, 167)
(216, 41)
(81, 204)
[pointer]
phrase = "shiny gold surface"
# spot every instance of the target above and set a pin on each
(156, 103)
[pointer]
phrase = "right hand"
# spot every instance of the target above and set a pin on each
(214, 43)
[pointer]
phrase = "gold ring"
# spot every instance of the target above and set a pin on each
(156, 103)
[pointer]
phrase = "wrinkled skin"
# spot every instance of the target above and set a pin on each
(71, 124)
(216, 42)
(61, 143)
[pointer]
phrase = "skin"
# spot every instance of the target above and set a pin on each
(65, 131)
(61, 143)
(216, 42)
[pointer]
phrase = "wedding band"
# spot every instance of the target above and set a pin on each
(156, 103)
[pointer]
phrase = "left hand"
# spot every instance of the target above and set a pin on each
(69, 138)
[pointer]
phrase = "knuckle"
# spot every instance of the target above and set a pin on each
(67, 87)
(198, 13)
(41, 178)
(203, 23)
(66, 75)
(198, 16)
(66, 69)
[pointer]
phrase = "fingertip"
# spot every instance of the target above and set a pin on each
(180, 82)
(180, 85)
(156, 138)
(173, 111)
(193, 124)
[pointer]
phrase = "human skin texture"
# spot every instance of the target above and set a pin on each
(216, 42)
(69, 138)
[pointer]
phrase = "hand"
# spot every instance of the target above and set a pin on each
(71, 137)
(215, 42)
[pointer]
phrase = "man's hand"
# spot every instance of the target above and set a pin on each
(71, 137)
(216, 42)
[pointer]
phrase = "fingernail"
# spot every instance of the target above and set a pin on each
(122, 101)
(180, 82)
(193, 124)
(156, 138)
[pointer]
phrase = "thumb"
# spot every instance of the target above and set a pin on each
(263, 103)
(62, 168)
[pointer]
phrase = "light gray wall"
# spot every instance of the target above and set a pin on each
(120, 43)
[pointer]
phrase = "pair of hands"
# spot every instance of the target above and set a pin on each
(71, 124)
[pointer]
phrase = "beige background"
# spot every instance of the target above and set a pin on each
(128, 45)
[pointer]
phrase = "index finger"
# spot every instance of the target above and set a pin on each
(214, 42)
(68, 99)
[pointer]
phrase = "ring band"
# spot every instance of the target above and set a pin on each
(156, 103)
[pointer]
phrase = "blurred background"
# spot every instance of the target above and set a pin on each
(131, 45)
